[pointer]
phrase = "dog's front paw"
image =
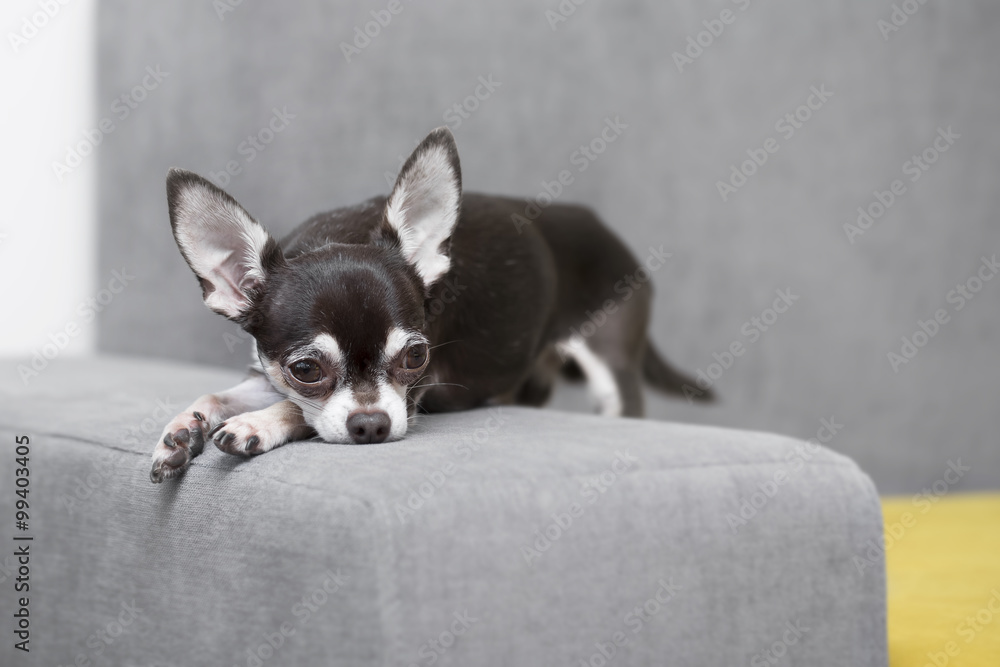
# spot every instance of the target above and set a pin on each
(182, 440)
(249, 434)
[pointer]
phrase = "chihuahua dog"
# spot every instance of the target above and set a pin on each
(426, 300)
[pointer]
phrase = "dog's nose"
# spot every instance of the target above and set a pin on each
(366, 427)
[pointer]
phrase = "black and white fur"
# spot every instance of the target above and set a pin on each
(346, 345)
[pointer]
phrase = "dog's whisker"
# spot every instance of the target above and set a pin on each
(514, 290)
(445, 343)
(309, 407)
(440, 384)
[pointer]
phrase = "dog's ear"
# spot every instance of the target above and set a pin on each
(424, 205)
(229, 251)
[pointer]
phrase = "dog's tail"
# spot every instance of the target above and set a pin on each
(666, 378)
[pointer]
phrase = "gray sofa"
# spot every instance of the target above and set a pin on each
(507, 536)
(657, 185)
(475, 541)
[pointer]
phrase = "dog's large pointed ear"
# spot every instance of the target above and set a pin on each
(229, 251)
(424, 205)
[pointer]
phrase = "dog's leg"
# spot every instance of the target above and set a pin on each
(618, 390)
(601, 378)
(252, 433)
(630, 389)
(611, 358)
(184, 437)
(537, 387)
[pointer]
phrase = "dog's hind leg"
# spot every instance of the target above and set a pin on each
(184, 437)
(616, 386)
(537, 387)
(629, 383)
(610, 356)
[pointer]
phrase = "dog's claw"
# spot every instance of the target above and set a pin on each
(170, 466)
(243, 437)
(211, 434)
(181, 442)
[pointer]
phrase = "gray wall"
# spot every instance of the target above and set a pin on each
(825, 357)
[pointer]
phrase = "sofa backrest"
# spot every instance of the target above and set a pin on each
(752, 133)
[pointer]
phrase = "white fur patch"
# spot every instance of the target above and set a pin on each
(330, 421)
(223, 245)
(600, 379)
(329, 417)
(327, 344)
(398, 340)
(423, 209)
(273, 426)
(392, 401)
(255, 239)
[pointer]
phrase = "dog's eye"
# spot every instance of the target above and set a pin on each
(415, 357)
(306, 371)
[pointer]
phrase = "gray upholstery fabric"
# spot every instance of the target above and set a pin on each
(213, 565)
(656, 185)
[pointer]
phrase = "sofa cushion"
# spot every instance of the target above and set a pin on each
(503, 536)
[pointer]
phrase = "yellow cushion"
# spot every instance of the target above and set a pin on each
(943, 560)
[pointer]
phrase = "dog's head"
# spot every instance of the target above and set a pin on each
(339, 328)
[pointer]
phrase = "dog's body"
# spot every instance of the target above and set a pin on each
(424, 299)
